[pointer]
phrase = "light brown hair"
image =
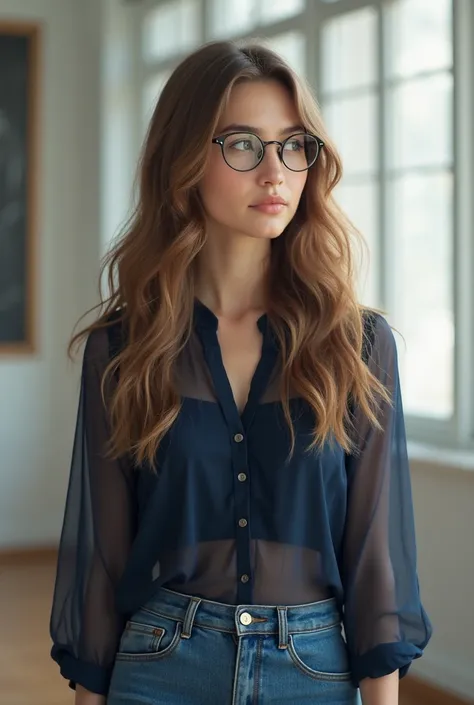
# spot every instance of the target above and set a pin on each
(313, 310)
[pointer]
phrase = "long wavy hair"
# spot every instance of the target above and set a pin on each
(150, 271)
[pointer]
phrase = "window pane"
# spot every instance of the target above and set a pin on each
(170, 29)
(360, 203)
(421, 123)
(422, 213)
(420, 36)
(292, 47)
(233, 17)
(275, 10)
(352, 124)
(151, 93)
(349, 51)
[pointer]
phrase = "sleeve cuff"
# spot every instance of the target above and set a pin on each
(89, 675)
(383, 660)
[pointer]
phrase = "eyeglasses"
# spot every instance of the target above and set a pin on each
(243, 151)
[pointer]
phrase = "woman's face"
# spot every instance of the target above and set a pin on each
(230, 197)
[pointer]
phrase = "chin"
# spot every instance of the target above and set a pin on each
(273, 235)
(273, 232)
(268, 231)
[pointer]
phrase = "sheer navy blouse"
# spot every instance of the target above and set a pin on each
(227, 518)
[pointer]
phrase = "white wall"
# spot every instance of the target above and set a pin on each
(38, 393)
(88, 151)
(444, 512)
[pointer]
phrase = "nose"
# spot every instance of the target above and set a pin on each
(270, 169)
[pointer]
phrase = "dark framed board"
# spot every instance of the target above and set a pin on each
(19, 94)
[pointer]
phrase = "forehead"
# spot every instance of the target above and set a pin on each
(268, 105)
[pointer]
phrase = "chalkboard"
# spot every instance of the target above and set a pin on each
(18, 184)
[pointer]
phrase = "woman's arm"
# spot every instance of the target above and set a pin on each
(385, 624)
(379, 691)
(85, 697)
(98, 529)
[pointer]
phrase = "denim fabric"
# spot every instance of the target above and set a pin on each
(182, 650)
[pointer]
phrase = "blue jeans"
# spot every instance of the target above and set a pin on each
(182, 650)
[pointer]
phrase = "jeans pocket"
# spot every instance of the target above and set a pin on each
(321, 654)
(149, 639)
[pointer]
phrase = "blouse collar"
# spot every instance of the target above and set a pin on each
(207, 319)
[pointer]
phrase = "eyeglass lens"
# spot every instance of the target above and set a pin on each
(243, 151)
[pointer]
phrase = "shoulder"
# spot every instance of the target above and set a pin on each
(105, 341)
(380, 345)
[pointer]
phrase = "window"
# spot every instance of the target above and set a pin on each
(171, 29)
(232, 18)
(384, 74)
(387, 95)
(151, 94)
(351, 111)
(240, 17)
(292, 47)
(274, 10)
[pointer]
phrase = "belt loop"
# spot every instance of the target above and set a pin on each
(194, 603)
(282, 628)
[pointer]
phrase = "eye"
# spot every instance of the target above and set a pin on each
(242, 145)
(295, 145)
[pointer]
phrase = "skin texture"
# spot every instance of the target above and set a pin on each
(380, 691)
(231, 277)
(85, 697)
(226, 193)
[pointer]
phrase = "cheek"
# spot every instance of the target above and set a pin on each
(222, 189)
(297, 184)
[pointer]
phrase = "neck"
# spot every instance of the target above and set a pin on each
(233, 276)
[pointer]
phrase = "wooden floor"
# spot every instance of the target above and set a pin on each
(28, 676)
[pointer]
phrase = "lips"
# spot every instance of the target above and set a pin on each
(271, 201)
(270, 208)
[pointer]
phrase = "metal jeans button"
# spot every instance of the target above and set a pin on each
(245, 618)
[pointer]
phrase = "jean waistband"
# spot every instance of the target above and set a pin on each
(243, 619)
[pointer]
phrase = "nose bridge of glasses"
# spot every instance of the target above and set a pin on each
(278, 150)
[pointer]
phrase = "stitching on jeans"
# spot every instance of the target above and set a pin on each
(258, 668)
(250, 632)
(236, 673)
(197, 623)
(312, 673)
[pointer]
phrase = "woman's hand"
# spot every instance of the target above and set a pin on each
(380, 691)
(85, 697)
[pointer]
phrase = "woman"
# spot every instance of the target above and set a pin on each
(239, 525)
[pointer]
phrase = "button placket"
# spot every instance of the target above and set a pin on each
(242, 506)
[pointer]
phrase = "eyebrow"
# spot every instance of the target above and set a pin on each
(234, 127)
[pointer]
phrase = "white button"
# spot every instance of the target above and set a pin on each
(242, 477)
(245, 618)
(238, 438)
(245, 578)
(242, 523)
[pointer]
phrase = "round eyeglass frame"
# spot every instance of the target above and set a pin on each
(221, 142)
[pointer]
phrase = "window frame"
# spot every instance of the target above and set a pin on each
(458, 432)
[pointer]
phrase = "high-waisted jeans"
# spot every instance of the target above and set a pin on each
(183, 650)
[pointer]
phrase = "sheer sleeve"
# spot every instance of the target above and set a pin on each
(98, 528)
(385, 624)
